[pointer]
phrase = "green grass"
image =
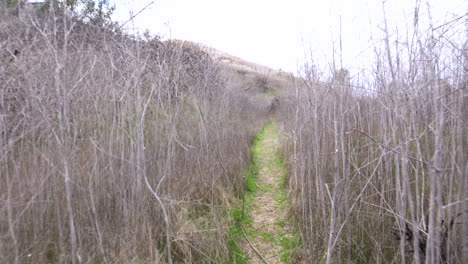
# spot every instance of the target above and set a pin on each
(293, 241)
(268, 237)
(288, 244)
(280, 223)
(235, 233)
(239, 215)
(237, 254)
(250, 185)
(272, 91)
(240, 218)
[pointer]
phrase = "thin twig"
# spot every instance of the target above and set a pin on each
(395, 151)
(132, 17)
(451, 21)
(252, 246)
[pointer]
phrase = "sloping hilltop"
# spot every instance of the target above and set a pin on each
(247, 76)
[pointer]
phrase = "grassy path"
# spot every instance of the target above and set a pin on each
(268, 230)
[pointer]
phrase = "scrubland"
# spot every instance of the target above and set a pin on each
(122, 148)
(377, 161)
(116, 148)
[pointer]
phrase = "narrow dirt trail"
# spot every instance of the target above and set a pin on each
(269, 232)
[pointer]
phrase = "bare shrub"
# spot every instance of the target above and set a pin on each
(377, 167)
(115, 148)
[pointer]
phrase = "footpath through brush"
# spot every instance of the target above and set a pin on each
(270, 238)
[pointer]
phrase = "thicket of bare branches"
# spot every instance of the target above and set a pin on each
(377, 165)
(114, 148)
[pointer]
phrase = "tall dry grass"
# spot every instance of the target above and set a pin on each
(114, 148)
(377, 162)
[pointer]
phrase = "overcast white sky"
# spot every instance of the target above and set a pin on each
(278, 33)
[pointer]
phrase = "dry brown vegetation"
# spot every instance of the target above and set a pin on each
(115, 148)
(377, 163)
(118, 148)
